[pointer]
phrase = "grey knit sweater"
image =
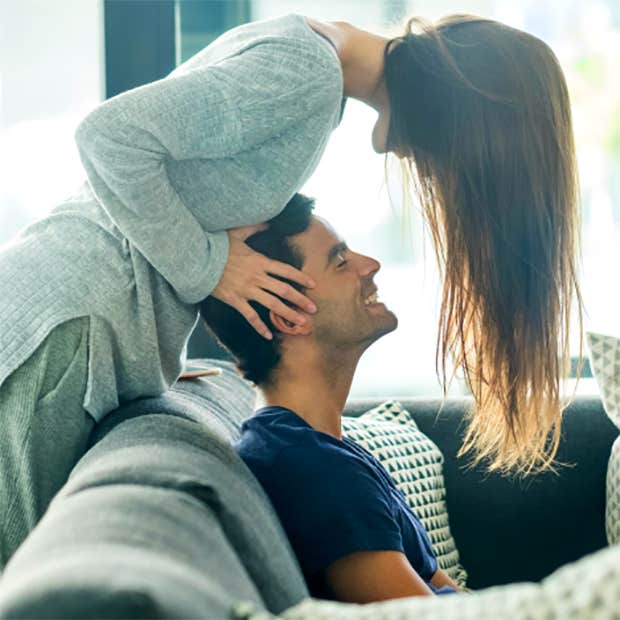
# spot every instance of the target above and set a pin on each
(224, 141)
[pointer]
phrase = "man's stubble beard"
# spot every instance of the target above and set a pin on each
(336, 328)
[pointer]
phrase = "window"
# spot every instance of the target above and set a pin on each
(51, 75)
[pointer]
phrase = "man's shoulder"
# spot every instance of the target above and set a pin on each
(321, 457)
(276, 439)
(265, 435)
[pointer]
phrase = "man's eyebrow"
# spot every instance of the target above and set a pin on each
(334, 251)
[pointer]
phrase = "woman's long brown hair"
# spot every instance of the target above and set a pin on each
(482, 114)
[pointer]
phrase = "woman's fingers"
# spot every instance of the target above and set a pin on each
(290, 273)
(248, 276)
(282, 289)
(251, 316)
(274, 304)
(286, 291)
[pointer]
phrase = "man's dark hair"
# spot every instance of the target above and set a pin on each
(256, 356)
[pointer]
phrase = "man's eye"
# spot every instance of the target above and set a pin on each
(343, 263)
(343, 260)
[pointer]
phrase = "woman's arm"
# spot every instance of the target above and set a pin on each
(208, 112)
(337, 33)
(371, 576)
(361, 57)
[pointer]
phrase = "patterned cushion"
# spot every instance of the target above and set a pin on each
(414, 462)
(605, 363)
(612, 508)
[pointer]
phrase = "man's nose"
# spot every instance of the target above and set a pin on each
(368, 266)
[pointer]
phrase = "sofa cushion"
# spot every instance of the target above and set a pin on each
(160, 518)
(126, 551)
(605, 364)
(414, 462)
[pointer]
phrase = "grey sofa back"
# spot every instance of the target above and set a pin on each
(508, 530)
(159, 519)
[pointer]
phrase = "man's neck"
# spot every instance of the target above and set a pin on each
(315, 386)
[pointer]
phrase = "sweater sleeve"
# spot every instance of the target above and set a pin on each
(208, 111)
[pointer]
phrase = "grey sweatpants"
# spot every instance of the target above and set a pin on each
(43, 430)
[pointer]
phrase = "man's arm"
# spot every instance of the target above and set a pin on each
(371, 576)
(440, 579)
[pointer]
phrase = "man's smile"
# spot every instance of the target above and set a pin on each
(371, 301)
(371, 296)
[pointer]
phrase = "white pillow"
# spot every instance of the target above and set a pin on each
(605, 363)
(415, 464)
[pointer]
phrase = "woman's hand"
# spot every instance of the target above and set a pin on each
(248, 276)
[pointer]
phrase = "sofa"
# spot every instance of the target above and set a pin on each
(161, 519)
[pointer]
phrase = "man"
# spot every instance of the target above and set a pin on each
(355, 537)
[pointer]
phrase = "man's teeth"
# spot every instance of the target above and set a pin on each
(371, 300)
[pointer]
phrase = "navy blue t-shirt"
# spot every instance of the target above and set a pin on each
(332, 496)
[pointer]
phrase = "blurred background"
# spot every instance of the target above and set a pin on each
(59, 58)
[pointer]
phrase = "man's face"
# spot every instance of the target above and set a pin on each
(345, 294)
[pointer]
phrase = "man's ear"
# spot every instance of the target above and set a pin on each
(292, 329)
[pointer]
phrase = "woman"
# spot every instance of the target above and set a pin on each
(99, 298)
